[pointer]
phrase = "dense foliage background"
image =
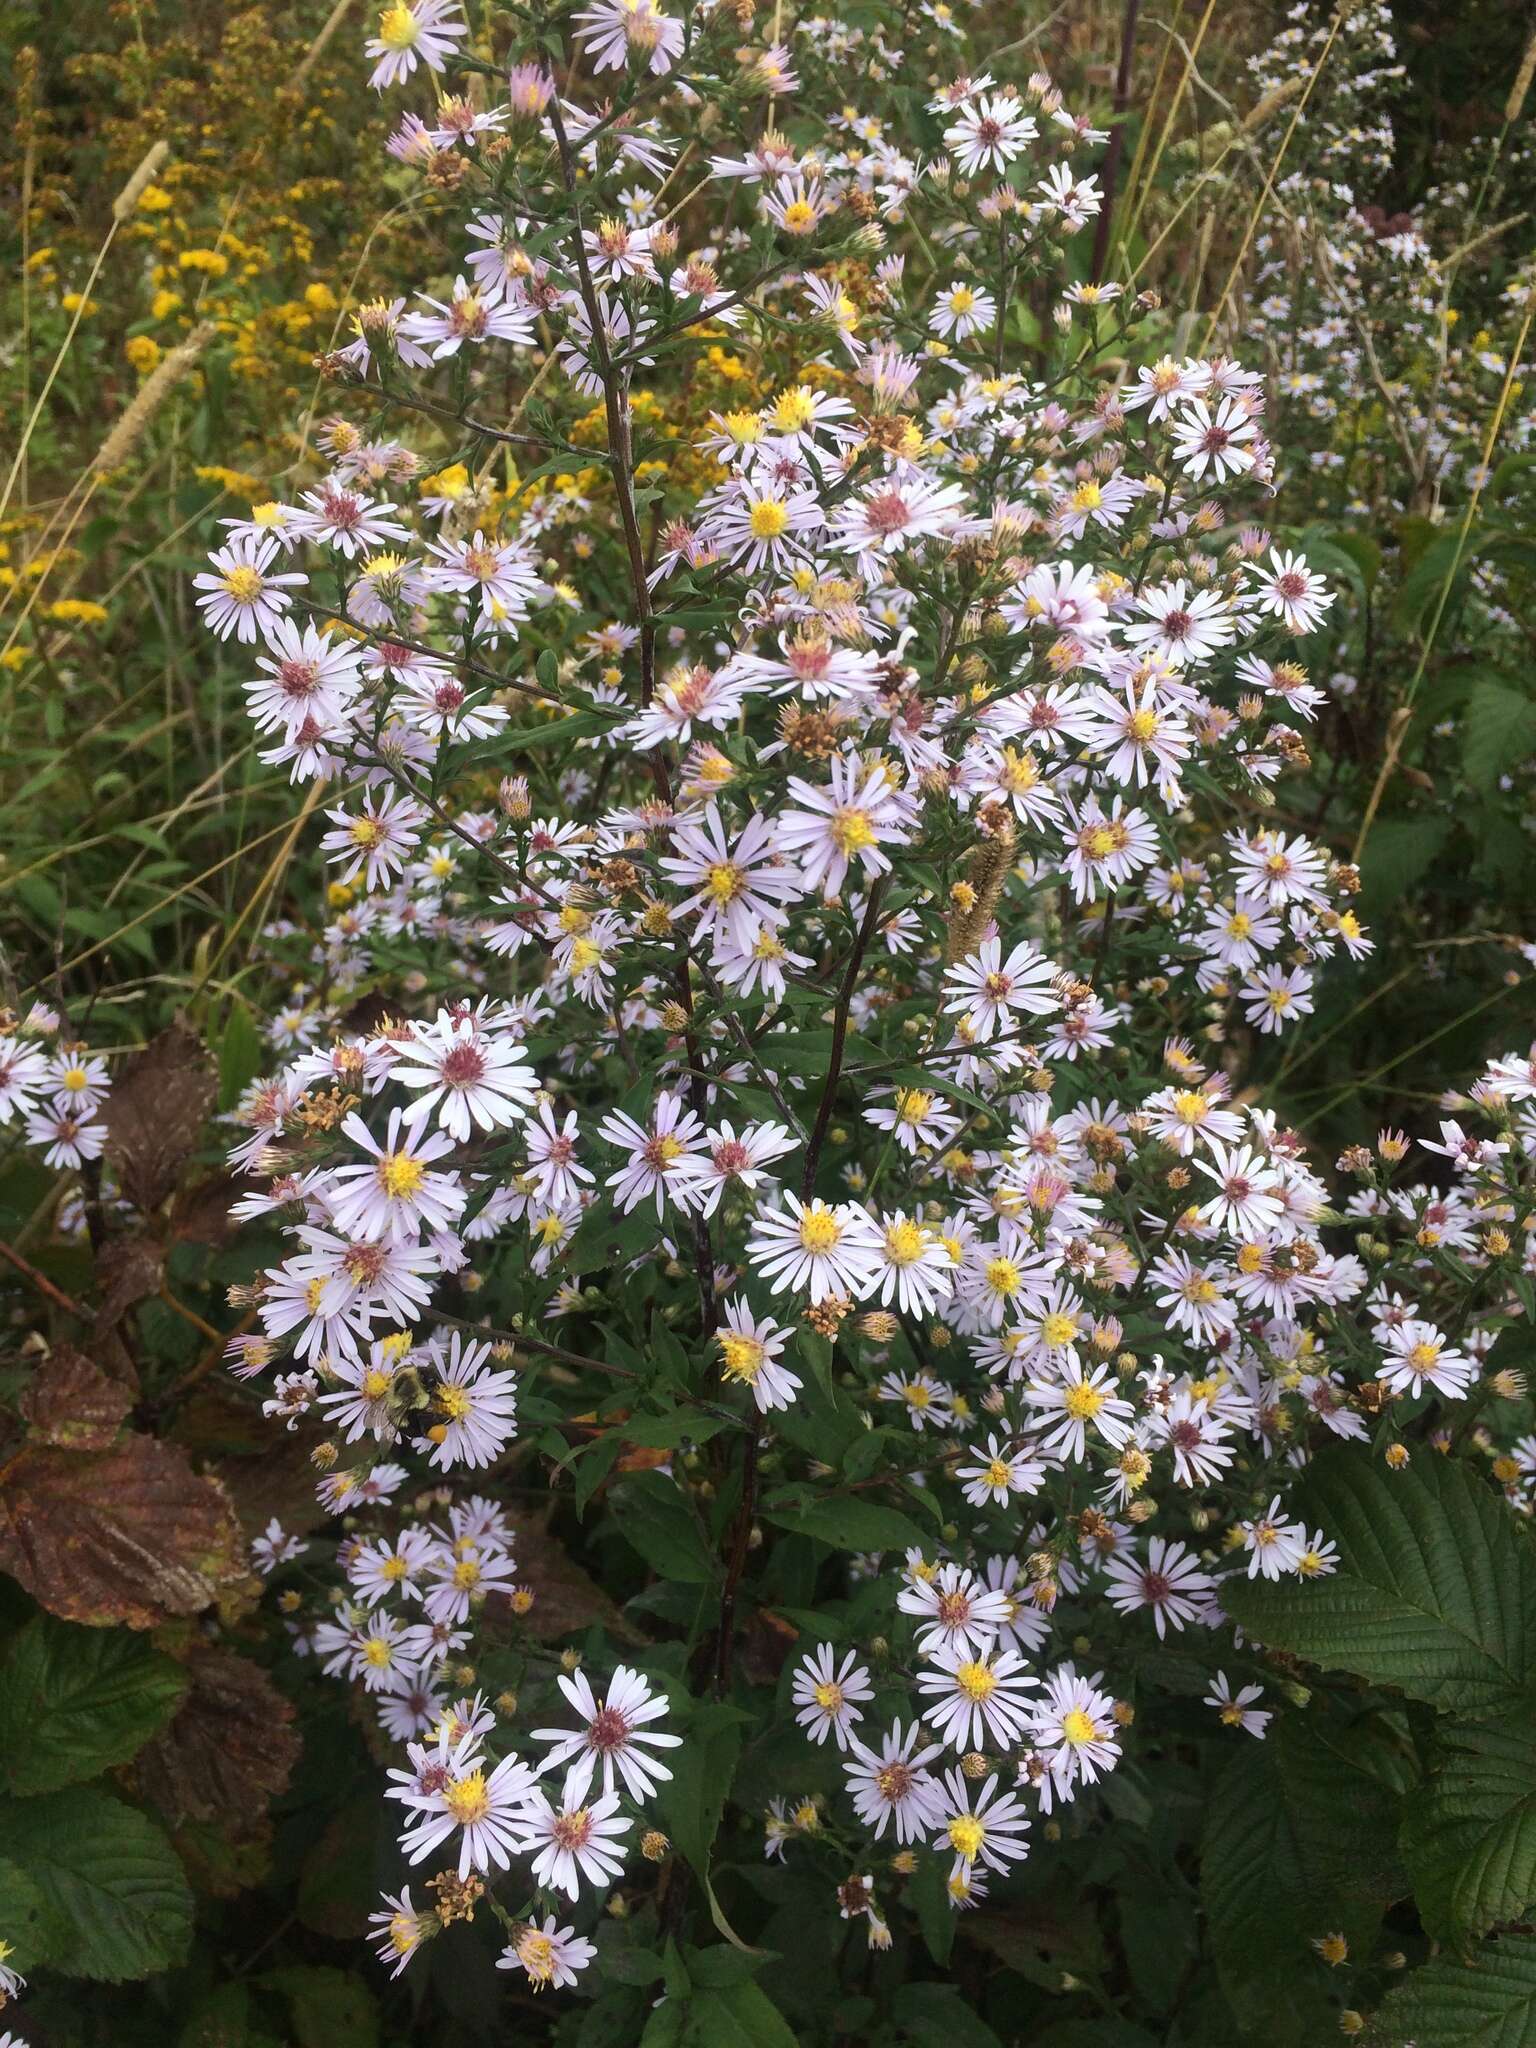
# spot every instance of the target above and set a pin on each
(191, 1833)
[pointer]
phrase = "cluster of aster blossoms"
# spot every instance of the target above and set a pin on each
(52, 1089)
(865, 953)
(1361, 311)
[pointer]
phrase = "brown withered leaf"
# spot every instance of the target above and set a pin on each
(200, 1215)
(124, 1536)
(73, 1404)
(156, 1113)
(266, 1472)
(227, 1752)
(565, 1598)
(128, 1271)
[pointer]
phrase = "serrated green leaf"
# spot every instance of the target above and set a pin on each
(1488, 2001)
(1435, 1592)
(109, 1875)
(1262, 1909)
(76, 1701)
(329, 2008)
(1498, 730)
(1397, 853)
(34, 1929)
(1344, 1787)
(1470, 1839)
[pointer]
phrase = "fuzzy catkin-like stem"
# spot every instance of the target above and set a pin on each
(150, 396)
(986, 870)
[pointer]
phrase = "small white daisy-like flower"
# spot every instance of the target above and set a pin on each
(617, 1735)
(1238, 1710)
(476, 1406)
(977, 1700)
(547, 1955)
(913, 1266)
(1000, 1471)
(1418, 1355)
(1171, 1582)
(749, 1355)
(828, 1694)
(664, 1159)
(1214, 441)
(489, 1807)
(413, 32)
(1075, 1403)
(855, 818)
(962, 311)
(956, 1610)
(1275, 1546)
(813, 1249)
(241, 594)
(988, 992)
(399, 1930)
(614, 32)
(990, 1831)
(926, 1399)
(989, 134)
(575, 1839)
(1291, 591)
(1073, 1727)
(1245, 1203)
(891, 1786)
(397, 1195)
(65, 1139)
(470, 1077)
(377, 840)
(23, 1075)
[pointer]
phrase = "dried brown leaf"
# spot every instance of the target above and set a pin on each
(265, 1471)
(156, 1113)
(128, 1270)
(125, 1536)
(72, 1403)
(227, 1752)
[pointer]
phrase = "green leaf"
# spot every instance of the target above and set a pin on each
(849, 1524)
(1470, 1838)
(737, 2016)
(76, 1701)
(1397, 853)
(329, 2008)
(1435, 1592)
(656, 1520)
(694, 1798)
(30, 1924)
(1489, 2002)
(720, 1967)
(938, 2016)
(221, 2020)
(1498, 730)
(936, 1917)
(109, 1875)
(241, 1055)
(1344, 1785)
(1262, 1910)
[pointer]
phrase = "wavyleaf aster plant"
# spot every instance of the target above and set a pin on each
(799, 699)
